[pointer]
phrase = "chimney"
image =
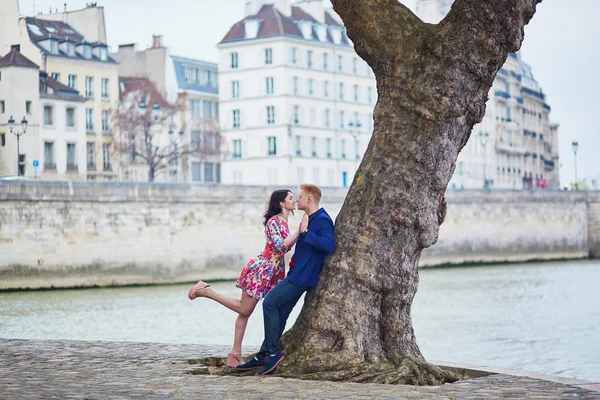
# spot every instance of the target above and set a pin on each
(16, 47)
(157, 41)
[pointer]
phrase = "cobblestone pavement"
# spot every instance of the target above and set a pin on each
(32, 369)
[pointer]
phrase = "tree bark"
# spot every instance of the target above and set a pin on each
(432, 82)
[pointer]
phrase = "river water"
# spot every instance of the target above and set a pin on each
(541, 317)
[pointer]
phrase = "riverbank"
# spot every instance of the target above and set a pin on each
(86, 234)
(32, 369)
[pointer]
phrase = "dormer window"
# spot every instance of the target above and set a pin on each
(306, 29)
(103, 54)
(87, 51)
(71, 49)
(53, 47)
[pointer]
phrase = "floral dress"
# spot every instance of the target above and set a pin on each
(263, 272)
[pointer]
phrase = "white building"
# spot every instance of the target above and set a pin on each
(515, 146)
(192, 82)
(296, 101)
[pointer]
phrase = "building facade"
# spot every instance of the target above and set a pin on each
(296, 101)
(192, 84)
(515, 146)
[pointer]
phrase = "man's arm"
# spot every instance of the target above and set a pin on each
(322, 239)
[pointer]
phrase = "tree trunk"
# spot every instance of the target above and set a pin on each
(151, 173)
(433, 82)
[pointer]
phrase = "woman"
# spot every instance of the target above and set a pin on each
(261, 273)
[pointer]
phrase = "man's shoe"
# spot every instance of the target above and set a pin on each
(252, 364)
(272, 363)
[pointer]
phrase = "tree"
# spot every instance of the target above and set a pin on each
(433, 83)
(151, 131)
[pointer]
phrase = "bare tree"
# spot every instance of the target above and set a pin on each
(152, 132)
(433, 83)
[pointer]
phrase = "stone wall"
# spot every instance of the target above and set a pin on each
(67, 234)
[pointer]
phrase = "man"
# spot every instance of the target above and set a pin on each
(314, 243)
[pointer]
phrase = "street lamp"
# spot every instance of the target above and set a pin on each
(575, 147)
(11, 125)
(483, 138)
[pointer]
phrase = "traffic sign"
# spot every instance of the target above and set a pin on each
(36, 163)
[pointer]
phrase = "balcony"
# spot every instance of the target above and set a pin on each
(91, 167)
(501, 94)
(107, 167)
(546, 107)
(71, 167)
(512, 147)
(548, 165)
(533, 93)
(49, 166)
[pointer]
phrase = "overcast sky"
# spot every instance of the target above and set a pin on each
(562, 45)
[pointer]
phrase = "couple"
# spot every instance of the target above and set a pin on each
(263, 276)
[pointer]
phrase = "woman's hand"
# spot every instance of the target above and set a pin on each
(303, 224)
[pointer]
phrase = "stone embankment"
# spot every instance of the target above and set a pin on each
(70, 234)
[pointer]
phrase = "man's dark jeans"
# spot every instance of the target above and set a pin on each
(277, 307)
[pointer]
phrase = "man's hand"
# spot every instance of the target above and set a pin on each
(303, 224)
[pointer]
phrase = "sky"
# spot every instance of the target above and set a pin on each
(562, 45)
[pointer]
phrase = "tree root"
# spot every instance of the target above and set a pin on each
(405, 371)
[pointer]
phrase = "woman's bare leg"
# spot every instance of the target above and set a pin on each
(235, 356)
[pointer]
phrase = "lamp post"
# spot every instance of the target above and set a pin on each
(575, 147)
(11, 125)
(483, 138)
(175, 142)
(355, 134)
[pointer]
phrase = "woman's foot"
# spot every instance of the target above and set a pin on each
(200, 289)
(234, 359)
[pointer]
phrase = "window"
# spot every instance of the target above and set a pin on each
(70, 117)
(218, 172)
(341, 119)
(89, 120)
(325, 57)
(293, 55)
(270, 115)
(341, 91)
(91, 156)
(104, 88)
(89, 86)
(48, 115)
(354, 65)
(296, 114)
(343, 148)
(71, 164)
(49, 156)
(71, 49)
(236, 118)
(298, 145)
(106, 156)
(209, 172)
(356, 93)
(195, 107)
(326, 89)
(328, 147)
(270, 85)
(313, 146)
(370, 94)
(2, 139)
(87, 52)
(295, 85)
(272, 144)
(235, 89)
(53, 47)
(105, 121)
(340, 63)
(310, 87)
(234, 60)
(103, 54)
(22, 163)
(309, 56)
(207, 108)
(327, 112)
(196, 139)
(268, 56)
(55, 76)
(2, 107)
(28, 107)
(237, 148)
(196, 171)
